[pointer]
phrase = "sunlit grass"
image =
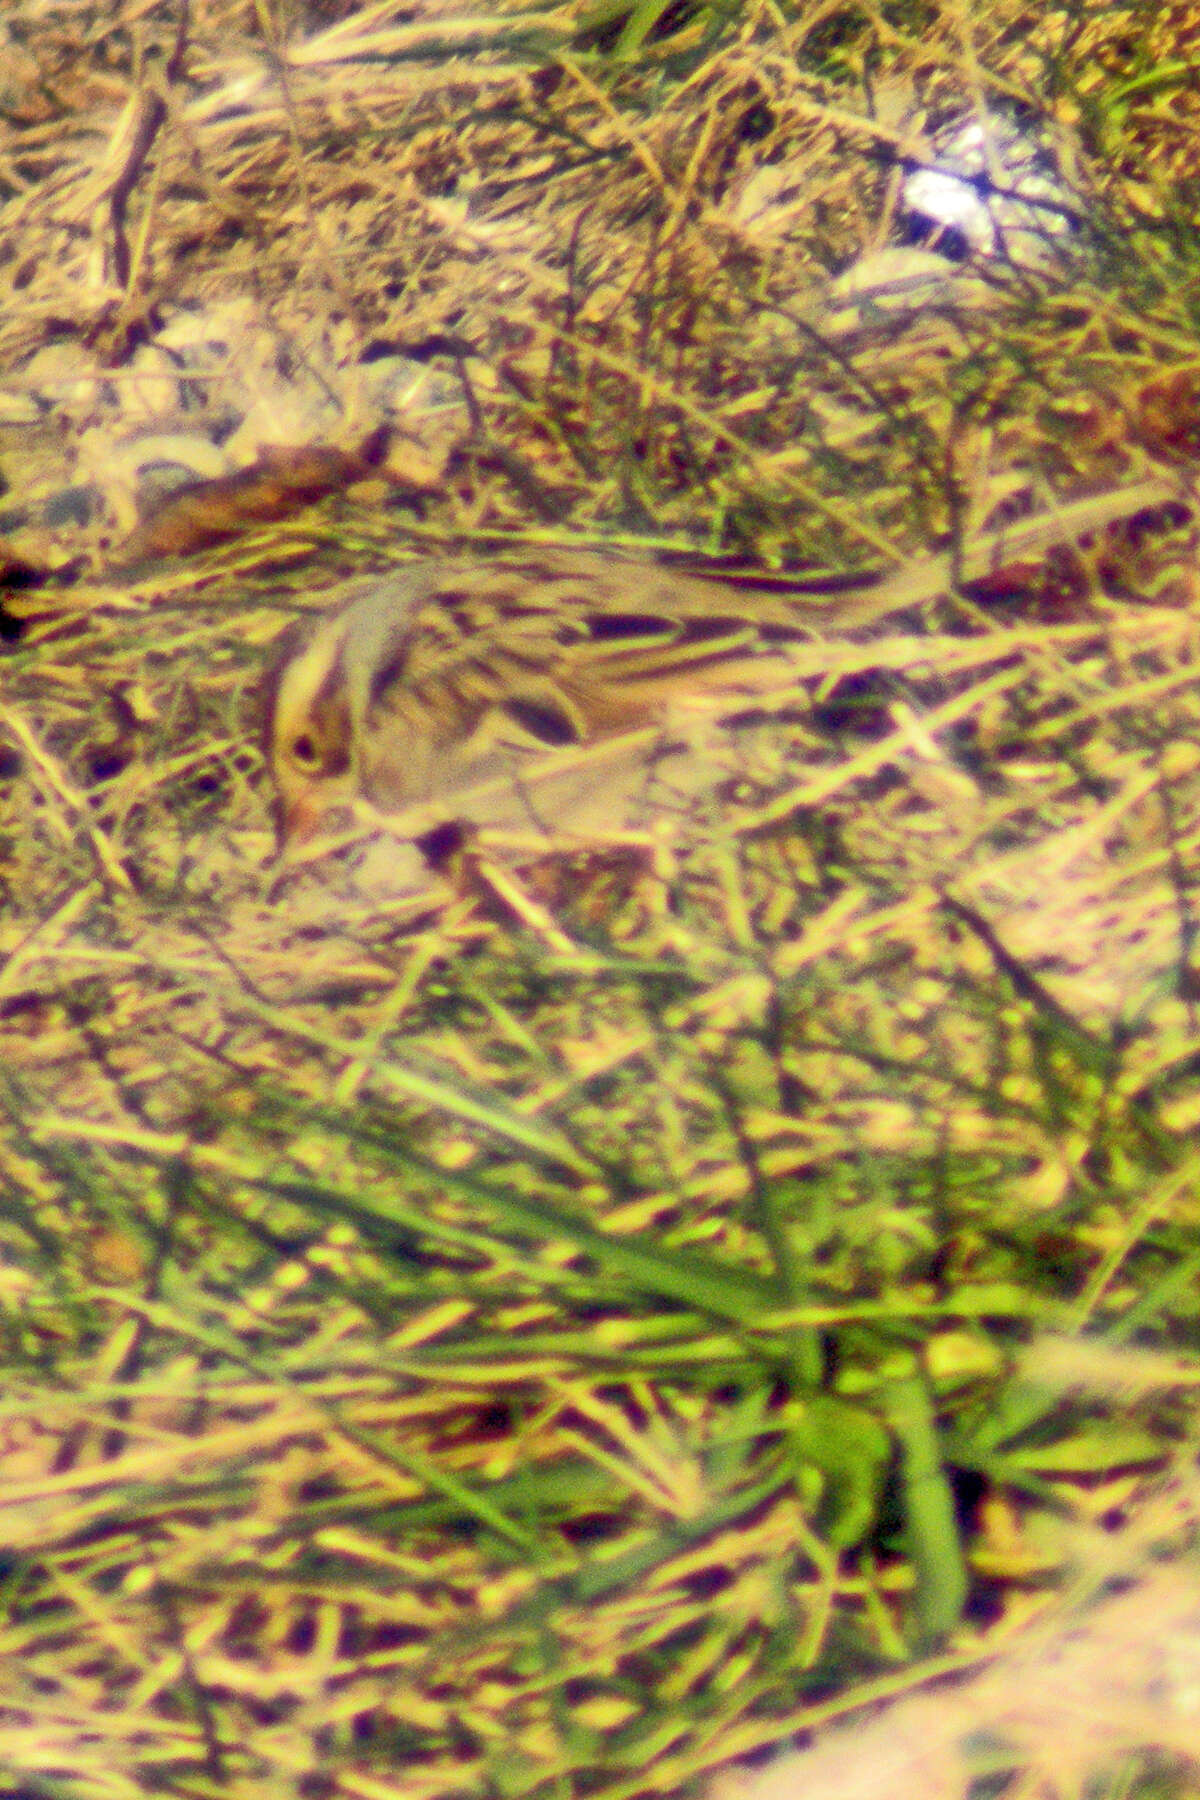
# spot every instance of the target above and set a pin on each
(584, 1327)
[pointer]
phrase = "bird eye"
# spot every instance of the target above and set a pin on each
(304, 751)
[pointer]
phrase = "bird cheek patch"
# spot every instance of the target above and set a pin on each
(324, 749)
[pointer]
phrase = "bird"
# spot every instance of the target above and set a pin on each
(539, 688)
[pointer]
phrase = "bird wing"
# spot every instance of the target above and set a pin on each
(471, 671)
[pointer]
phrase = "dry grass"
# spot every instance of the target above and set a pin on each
(581, 1328)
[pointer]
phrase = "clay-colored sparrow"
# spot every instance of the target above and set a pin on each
(529, 691)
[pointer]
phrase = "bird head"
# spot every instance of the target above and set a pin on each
(308, 731)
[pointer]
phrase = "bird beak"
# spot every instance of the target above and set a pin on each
(296, 821)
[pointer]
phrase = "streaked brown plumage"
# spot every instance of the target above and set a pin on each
(529, 690)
